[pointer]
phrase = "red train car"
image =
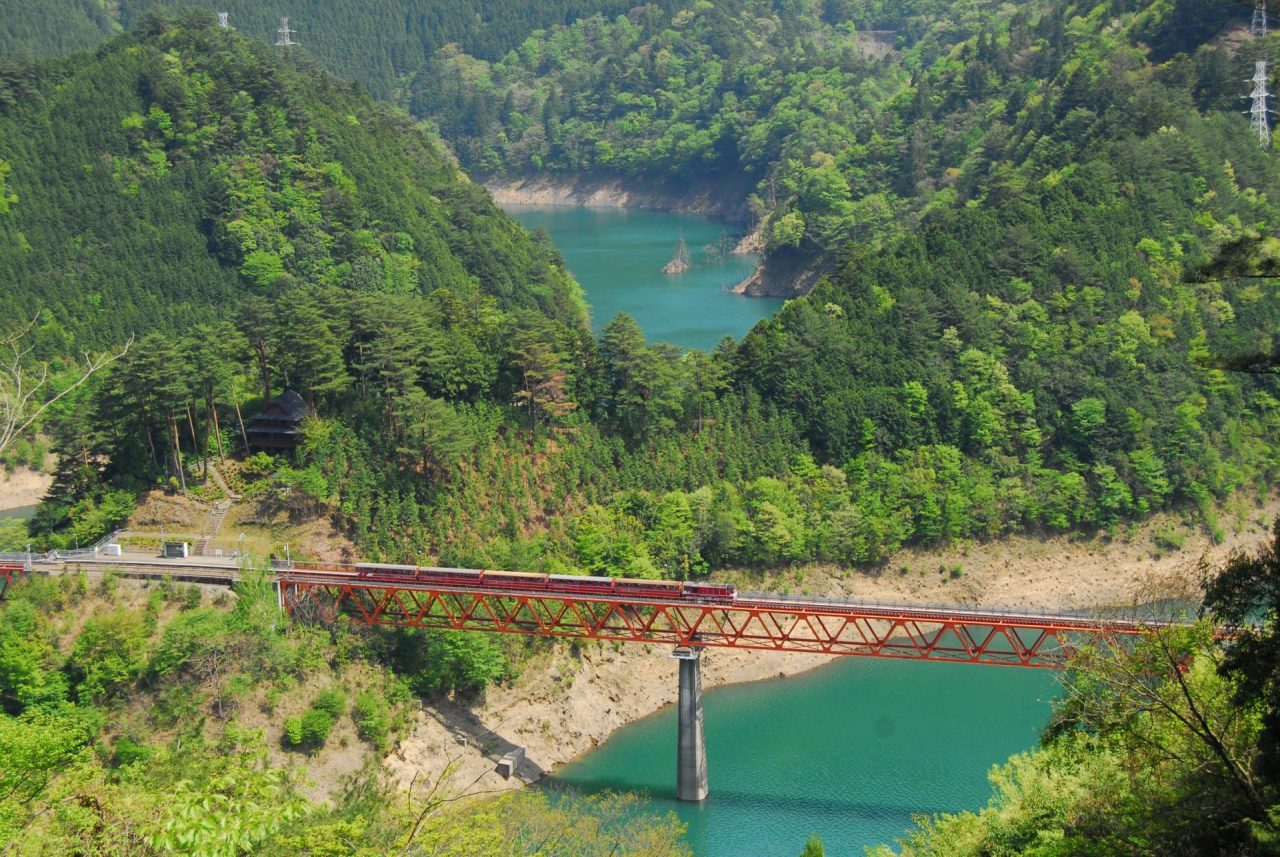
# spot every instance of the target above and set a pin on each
(569, 584)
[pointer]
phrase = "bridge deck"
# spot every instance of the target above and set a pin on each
(749, 621)
(537, 605)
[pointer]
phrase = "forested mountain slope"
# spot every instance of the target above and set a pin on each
(848, 118)
(381, 43)
(166, 176)
(35, 28)
(1031, 355)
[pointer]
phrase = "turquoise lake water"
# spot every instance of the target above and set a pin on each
(617, 255)
(849, 751)
(23, 512)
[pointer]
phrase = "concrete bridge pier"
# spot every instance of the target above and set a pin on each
(691, 744)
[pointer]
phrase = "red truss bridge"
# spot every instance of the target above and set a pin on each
(684, 614)
(7, 575)
(689, 616)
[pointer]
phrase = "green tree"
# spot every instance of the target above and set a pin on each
(311, 343)
(30, 674)
(1245, 594)
(543, 385)
(109, 654)
(813, 847)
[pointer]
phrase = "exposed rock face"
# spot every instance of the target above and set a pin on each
(784, 273)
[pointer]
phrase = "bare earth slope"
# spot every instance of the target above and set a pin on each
(564, 705)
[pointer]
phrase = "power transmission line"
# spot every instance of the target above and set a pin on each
(1260, 111)
(285, 35)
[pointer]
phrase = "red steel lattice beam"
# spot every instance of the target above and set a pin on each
(7, 575)
(761, 623)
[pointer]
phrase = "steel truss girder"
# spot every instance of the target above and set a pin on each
(8, 573)
(814, 629)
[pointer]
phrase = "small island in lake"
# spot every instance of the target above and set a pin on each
(679, 261)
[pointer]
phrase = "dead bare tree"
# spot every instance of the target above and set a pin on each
(24, 385)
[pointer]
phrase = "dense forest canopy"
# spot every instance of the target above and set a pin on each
(1029, 351)
(1048, 231)
(250, 174)
(381, 43)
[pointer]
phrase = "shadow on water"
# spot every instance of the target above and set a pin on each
(806, 807)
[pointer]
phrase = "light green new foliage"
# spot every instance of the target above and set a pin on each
(29, 674)
(110, 653)
(529, 823)
(230, 815)
(373, 717)
(34, 749)
(813, 847)
(1137, 764)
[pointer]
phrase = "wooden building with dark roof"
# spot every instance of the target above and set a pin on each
(279, 424)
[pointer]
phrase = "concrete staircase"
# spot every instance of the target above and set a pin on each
(219, 514)
(211, 527)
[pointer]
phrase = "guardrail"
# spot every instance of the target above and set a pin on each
(1138, 612)
(81, 553)
(23, 559)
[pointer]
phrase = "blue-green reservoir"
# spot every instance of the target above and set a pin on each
(849, 751)
(617, 255)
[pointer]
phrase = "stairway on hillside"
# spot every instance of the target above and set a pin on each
(221, 483)
(219, 514)
(211, 526)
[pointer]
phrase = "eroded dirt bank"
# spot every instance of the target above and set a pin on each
(568, 701)
(784, 274)
(722, 199)
(22, 487)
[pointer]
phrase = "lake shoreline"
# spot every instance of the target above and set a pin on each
(23, 487)
(568, 701)
(781, 274)
(714, 200)
(618, 256)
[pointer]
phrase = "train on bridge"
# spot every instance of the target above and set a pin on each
(519, 581)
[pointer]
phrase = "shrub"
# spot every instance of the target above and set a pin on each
(373, 718)
(331, 702)
(316, 726)
(1169, 539)
(293, 731)
(191, 597)
(129, 752)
